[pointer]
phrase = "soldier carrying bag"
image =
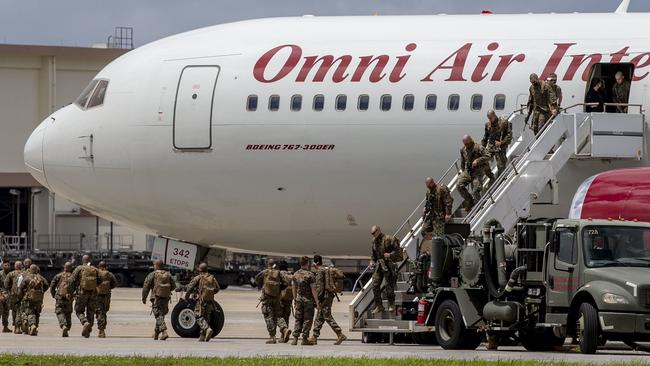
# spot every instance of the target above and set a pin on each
(208, 287)
(62, 286)
(34, 291)
(88, 278)
(334, 280)
(162, 284)
(272, 281)
(104, 287)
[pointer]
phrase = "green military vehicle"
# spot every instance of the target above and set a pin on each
(585, 279)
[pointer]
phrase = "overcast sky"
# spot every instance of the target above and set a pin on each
(84, 22)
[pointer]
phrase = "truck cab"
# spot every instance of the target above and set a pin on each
(597, 280)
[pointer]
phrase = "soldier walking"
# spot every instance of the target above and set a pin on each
(621, 92)
(473, 161)
(286, 296)
(271, 282)
(552, 82)
(302, 284)
(106, 285)
(83, 285)
(386, 253)
(11, 284)
(327, 288)
(437, 209)
(62, 298)
(33, 288)
(497, 138)
(5, 303)
(160, 284)
(542, 103)
(205, 286)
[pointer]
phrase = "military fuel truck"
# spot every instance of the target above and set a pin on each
(585, 279)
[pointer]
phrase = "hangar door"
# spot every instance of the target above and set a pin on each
(193, 108)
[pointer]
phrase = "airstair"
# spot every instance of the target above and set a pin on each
(533, 164)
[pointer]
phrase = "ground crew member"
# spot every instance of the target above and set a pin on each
(161, 284)
(303, 287)
(63, 299)
(497, 138)
(473, 162)
(542, 103)
(11, 284)
(5, 303)
(552, 82)
(437, 209)
(205, 286)
(83, 285)
(271, 282)
(104, 289)
(33, 288)
(326, 291)
(286, 296)
(386, 253)
(621, 92)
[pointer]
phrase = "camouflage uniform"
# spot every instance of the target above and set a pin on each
(31, 307)
(63, 305)
(159, 305)
(103, 303)
(85, 301)
(558, 92)
(325, 301)
(11, 284)
(384, 268)
(203, 309)
(472, 175)
(5, 302)
(501, 130)
(304, 299)
(541, 101)
(438, 204)
(271, 306)
(621, 94)
(286, 297)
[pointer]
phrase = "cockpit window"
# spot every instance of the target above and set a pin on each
(85, 94)
(98, 96)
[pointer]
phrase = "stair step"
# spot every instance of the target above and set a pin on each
(389, 324)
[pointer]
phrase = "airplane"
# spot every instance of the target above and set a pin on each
(295, 135)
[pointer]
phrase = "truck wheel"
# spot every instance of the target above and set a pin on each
(450, 330)
(539, 340)
(184, 321)
(587, 328)
(122, 279)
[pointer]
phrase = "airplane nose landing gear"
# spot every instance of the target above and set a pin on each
(184, 321)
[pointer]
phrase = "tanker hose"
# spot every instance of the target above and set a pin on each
(514, 276)
(489, 275)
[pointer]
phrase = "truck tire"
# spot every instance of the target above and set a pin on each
(587, 328)
(122, 279)
(539, 340)
(450, 330)
(184, 320)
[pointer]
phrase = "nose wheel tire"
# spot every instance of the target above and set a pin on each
(588, 329)
(184, 321)
(450, 329)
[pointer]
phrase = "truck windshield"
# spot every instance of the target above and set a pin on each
(610, 246)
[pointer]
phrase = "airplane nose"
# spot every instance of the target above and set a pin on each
(33, 154)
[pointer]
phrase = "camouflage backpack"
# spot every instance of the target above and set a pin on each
(62, 286)
(287, 294)
(88, 278)
(334, 280)
(272, 281)
(34, 288)
(104, 287)
(208, 287)
(162, 284)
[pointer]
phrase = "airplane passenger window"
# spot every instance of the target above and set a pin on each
(296, 102)
(274, 103)
(477, 102)
(454, 102)
(386, 101)
(251, 103)
(85, 94)
(319, 102)
(431, 102)
(364, 102)
(409, 101)
(98, 96)
(341, 102)
(499, 102)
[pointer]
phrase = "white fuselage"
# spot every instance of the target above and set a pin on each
(372, 165)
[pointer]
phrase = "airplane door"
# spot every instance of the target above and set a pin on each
(193, 107)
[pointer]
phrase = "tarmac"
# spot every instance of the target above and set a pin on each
(130, 326)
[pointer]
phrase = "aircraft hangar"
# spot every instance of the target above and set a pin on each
(38, 80)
